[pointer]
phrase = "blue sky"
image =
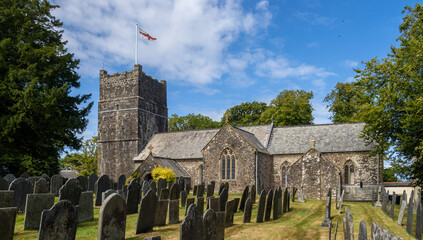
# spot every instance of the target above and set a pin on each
(217, 54)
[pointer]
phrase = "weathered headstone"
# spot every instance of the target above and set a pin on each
(209, 225)
(71, 191)
(46, 177)
(35, 205)
(4, 185)
(223, 198)
(210, 190)
(200, 190)
(188, 202)
(261, 207)
(385, 202)
(301, 195)
(6, 199)
(174, 211)
(188, 188)
(378, 202)
(362, 232)
(341, 199)
(294, 191)
(102, 185)
(153, 186)
(183, 198)
(268, 205)
(236, 204)
(327, 222)
(192, 226)
(56, 182)
(402, 211)
(112, 218)
(336, 229)
(91, 182)
(161, 213)
(348, 225)
(164, 193)
(285, 201)
(419, 220)
(194, 193)
(213, 203)
(221, 187)
(174, 192)
(161, 183)
(391, 212)
(41, 186)
(253, 193)
(7, 220)
(83, 182)
(248, 208)
(22, 187)
(86, 209)
(244, 198)
(200, 204)
(410, 213)
(145, 188)
(229, 213)
(121, 182)
(181, 182)
(134, 191)
(275, 205)
(145, 221)
(380, 233)
(227, 186)
(59, 222)
(33, 180)
(109, 192)
(9, 177)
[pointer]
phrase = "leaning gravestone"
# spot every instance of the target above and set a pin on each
(102, 185)
(223, 198)
(188, 203)
(276, 204)
(380, 233)
(348, 225)
(121, 182)
(22, 187)
(268, 205)
(391, 212)
(56, 182)
(174, 192)
(161, 213)
(83, 182)
(91, 182)
(244, 198)
(248, 208)
(7, 220)
(362, 232)
(59, 222)
(402, 211)
(410, 213)
(236, 204)
(209, 224)
(4, 185)
(183, 198)
(6, 199)
(340, 201)
(134, 191)
(253, 193)
(213, 203)
(35, 205)
(41, 186)
(145, 188)
(261, 207)
(145, 221)
(229, 213)
(174, 211)
(112, 218)
(419, 220)
(192, 225)
(71, 191)
(86, 209)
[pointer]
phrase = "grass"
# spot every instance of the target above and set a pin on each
(302, 222)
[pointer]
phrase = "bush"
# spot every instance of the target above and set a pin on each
(165, 173)
(135, 174)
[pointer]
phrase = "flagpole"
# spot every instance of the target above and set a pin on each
(136, 44)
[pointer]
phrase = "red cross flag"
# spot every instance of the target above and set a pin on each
(145, 35)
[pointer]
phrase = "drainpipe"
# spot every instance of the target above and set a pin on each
(257, 186)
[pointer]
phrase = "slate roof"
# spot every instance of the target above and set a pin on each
(251, 138)
(172, 164)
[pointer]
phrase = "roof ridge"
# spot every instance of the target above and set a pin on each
(321, 124)
(184, 131)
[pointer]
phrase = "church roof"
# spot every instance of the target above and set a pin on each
(251, 138)
(343, 137)
(172, 164)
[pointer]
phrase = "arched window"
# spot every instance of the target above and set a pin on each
(349, 172)
(228, 165)
(283, 176)
(346, 175)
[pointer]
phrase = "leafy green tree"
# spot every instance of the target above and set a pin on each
(289, 108)
(245, 114)
(39, 114)
(389, 175)
(191, 122)
(84, 161)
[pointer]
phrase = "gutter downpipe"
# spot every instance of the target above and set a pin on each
(257, 187)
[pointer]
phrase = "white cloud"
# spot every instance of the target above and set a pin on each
(315, 19)
(312, 44)
(320, 112)
(350, 64)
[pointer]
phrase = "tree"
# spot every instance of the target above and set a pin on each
(245, 114)
(84, 161)
(389, 175)
(39, 115)
(289, 108)
(191, 122)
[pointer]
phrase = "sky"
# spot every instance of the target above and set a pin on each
(217, 54)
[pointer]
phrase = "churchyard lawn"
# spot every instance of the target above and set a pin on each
(302, 222)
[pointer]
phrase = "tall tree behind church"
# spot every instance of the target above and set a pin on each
(245, 114)
(39, 114)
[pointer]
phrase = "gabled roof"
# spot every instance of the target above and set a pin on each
(261, 132)
(251, 138)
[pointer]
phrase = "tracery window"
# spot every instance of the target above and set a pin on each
(349, 173)
(228, 165)
(283, 176)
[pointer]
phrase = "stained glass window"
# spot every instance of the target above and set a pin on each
(228, 164)
(223, 167)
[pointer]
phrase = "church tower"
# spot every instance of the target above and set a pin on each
(132, 107)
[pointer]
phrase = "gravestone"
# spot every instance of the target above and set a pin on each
(301, 195)
(41, 186)
(200, 204)
(91, 182)
(340, 202)
(153, 186)
(348, 225)
(132, 198)
(161, 212)
(183, 198)
(174, 211)
(86, 209)
(248, 208)
(56, 182)
(200, 190)
(378, 202)
(236, 204)
(402, 211)
(4, 185)
(164, 194)
(362, 232)
(194, 193)
(121, 182)
(410, 213)
(227, 186)
(25, 175)
(59, 222)
(145, 221)
(71, 191)
(7, 220)
(109, 192)
(280, 201)
(268, 205)
(253, 193)
(189, 201)
(83, 182)
(336, 229)
(174, 192)
(9, 177)
(244, 198)
(391, 212)
(192, 226)
(294, 191)
(6, 199)
(22, 187)
(380, 233)
(385, 202)
(213, 203)
(275, 204)
(221, 187)
(181, 182)
(223, 198)
(33, 180)
(327, 222)
(102, 185)
(188, 188)
(161, 184)
(419, 220)
(210, 190)
(285, 201)
(146, 187)
(209, 225)
(112, 218)
(261, 207)
(46, 177)
(229, 213)
(35, 205)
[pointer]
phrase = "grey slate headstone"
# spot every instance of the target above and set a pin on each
(56, 182)
(192, 225)
(164, 193)
(174, 192)
(46, 177)
(362, 233)
(91, 182)
(145, 221)
(132, 198)
(161, 212)
(86, 209)
(184, 196)
(101, 185)
(194, 193)
(253, 193)
(213, 203)
(248, 208)
(275, 205)
(112, 218)
(35, 205)
(229, 213)
(6, 199)
(419, 220)
(210, 190)
(223, 198)
(268, 205)
(161, 184)
(41, 186)
(7, 220)
(188, 202)
(221, 187)
(121, 182)
(392, 210)
(109, 192)
(33, 180)
(22, 187)
(237, 200)
(209, 225)
(244, 198)
(227, 186)
(145, 188)
(59, 222)
(380, 233)
(153, 186)
(409, 228)
(200, 190)
(261, 207)
(385, 202)
(200, 204)
(402, 212)
(220, 225)
(341, 199)
(71, 191)
(348, 225)
(83, 182)
(9, 177)
(174, 211)
(181, 182)
(4, 185)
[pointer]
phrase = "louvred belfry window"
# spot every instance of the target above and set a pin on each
(228, 165)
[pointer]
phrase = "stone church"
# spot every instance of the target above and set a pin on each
(133, 137)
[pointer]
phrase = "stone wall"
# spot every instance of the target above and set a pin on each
(264, 169)
(353, 193)
(192, 167)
